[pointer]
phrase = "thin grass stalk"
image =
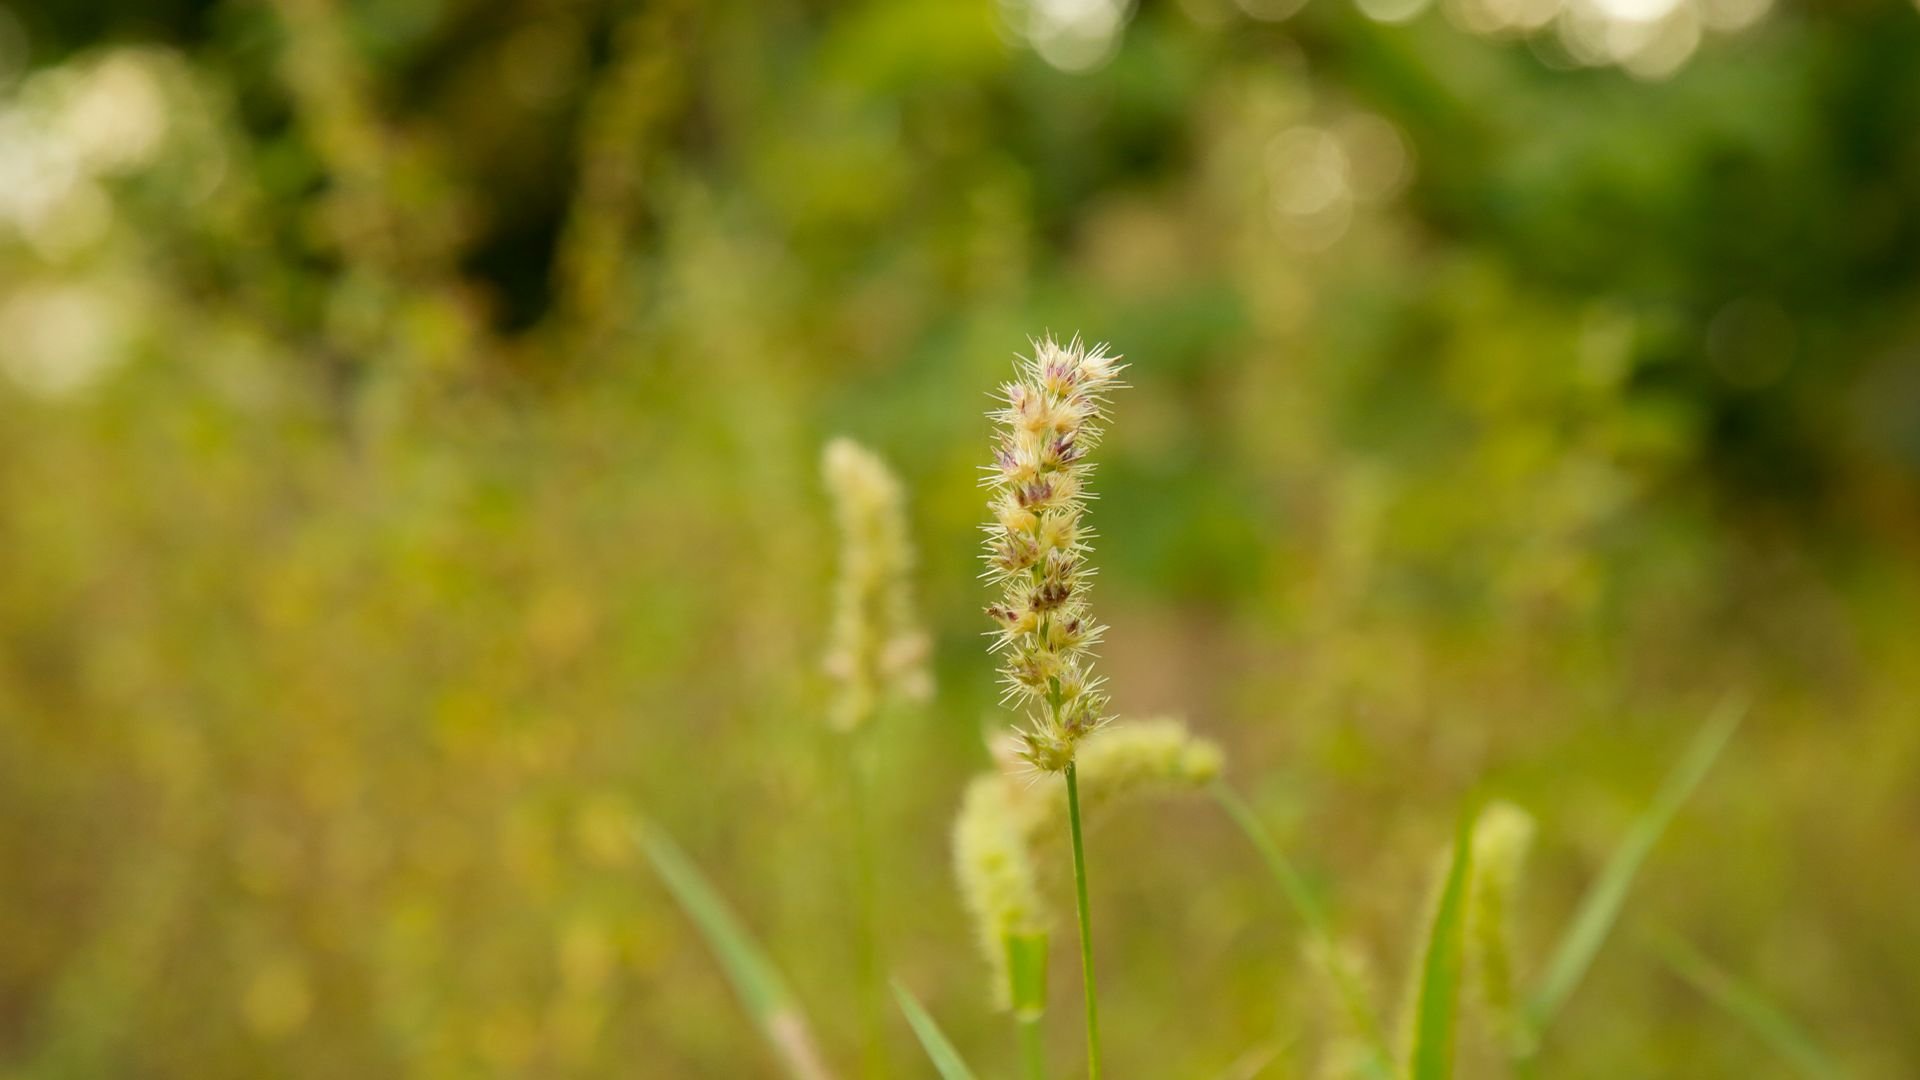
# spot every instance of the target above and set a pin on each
(1033, 1056)
(1353, 996)
(866, 906)
(1086, 922)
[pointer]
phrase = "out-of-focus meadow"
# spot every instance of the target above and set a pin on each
(410, 416)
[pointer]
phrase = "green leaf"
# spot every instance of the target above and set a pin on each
(1602, 905)
(1747, 1005)
(759, 985)
(1439, 1001)
(945, 1058)
(1353, 996)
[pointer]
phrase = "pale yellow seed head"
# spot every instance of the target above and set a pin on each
(1145, 754)
(1502, 836)
(1036, 544)
(877, 651)
(995, 870)
(1122, 761)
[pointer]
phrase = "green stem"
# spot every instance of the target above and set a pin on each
(1086, 922)
(1032, 1056)
(873, 994)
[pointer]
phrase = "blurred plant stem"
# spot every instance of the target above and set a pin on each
(1745, 1003)
(1033, 1062)
(855, 752)
(1086, 921)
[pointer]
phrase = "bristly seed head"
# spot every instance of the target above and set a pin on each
(879, 652)
(1035, 552)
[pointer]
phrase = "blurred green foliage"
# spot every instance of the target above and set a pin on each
(408, 422)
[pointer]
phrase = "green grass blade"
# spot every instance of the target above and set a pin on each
(1438, 1004)
(1033, 1055)
(945, 1058)
(759, 985)
(1747, 1005)
(1353, 996)
(1603, 901)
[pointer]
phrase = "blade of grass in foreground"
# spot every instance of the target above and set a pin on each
(754, 978)
(945, 1058)
(1353, 996)
(1747, 1005)
(1602, 904)
(1439, 1002)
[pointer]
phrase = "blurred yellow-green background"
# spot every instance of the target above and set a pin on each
(410, 414)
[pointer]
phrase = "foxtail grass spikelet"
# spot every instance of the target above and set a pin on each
(1350, 1050)
(1145, 755)
(878, 651)
(1036, 545)
(994, 865)
(1501, 839)
(1120, 762)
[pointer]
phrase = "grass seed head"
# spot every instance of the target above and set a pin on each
(1501, 839)
(1050, 417)
(992, 862)
(878, 650)
(1129, 759)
